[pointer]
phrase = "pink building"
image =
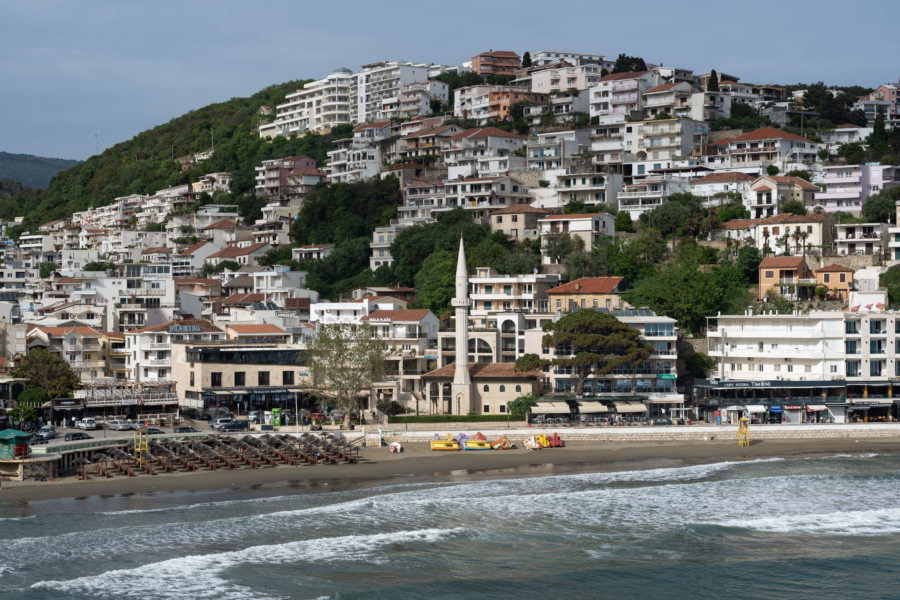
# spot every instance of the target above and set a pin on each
(848, 186)
(271, 175)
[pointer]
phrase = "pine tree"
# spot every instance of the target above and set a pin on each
(526, 60)
(713, 84)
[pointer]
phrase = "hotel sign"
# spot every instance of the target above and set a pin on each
(745, 384)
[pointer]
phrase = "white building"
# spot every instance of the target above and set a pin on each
(375, 90)
(586, 227)
(320, 106)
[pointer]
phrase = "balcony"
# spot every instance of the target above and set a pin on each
(157, 362)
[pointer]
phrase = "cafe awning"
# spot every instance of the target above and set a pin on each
(816, 407)
(551, 408)
(630, 407)
(592, 408)
(755, 409)
(734, 407)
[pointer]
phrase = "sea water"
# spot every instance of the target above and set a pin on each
(797, 528)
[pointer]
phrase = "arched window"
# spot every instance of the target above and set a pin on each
(518, 388)
(487, 388)
(502, 388)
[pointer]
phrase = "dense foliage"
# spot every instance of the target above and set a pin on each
(32, 171)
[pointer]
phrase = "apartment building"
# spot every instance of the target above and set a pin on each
(847, 187)
(769, 192)
(554, 149)
(319, 106)
(628, 390)
(584, 227)
(658, 144)
(486, 103)
(564, 77)
(587, 292)
(482, 195)
(786, 276)
(722, 187)
(493, 292)
(375, 89)
(621, 93)
(272, 175)
(860, 238)
(149, 350)
(767, 146)
(79, 346)
(791, 234)
(520, 221)
(644, 195)
(547, 57)
(496, 62)
(360, 157)
(581, 184)
(416, 98)
(468, 150)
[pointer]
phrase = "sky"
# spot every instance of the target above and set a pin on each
(76, 76)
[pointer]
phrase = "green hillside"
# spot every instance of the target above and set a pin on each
(32, 171)
(146, 163)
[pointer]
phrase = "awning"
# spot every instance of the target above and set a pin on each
(551, 408)
(590, 408)
(815, 407)
(776, 409)
(755, 409)
(630, 407)
(295, 390)
(734, 407)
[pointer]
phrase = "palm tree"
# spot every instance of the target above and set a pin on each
(803, 236)
(783, 242)
(796, 237)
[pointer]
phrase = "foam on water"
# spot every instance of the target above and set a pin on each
(885, 521)
(17, 518)
(201, 576)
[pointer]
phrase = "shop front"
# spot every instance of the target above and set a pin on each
(65, 411)
(768, 401)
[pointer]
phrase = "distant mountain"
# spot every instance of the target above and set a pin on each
(33, 171)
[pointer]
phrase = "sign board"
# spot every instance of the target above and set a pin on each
(665, 376)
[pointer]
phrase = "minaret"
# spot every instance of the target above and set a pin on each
(462, 381)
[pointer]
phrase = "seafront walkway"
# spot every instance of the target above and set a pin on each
(666, 433)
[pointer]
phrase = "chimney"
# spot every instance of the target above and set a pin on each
(577, 286)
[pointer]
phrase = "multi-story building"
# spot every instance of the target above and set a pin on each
(80, 347)
(767, 146)
(486, 103)
(319, 106)
(496, 62)
(621, 93)
(272, 175)
(769, 192)
(416, 98)
(554, 149)
(786, 276)
(646, 194)
(587, 292)
(657, 144)
(468, 150)
(547, 57)
(482, 195)
(793, 234)
(564, 77)
(519, 222)
(584, 227)
(375, 90)
(583, 185)
(723, 187)
(493, 292)
(629, 390)
(149, 350)
(860, 238)
(816, 366)
(358, 158)
(847, 187)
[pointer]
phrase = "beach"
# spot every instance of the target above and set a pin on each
(378, 466)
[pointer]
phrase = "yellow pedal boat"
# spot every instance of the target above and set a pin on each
(444, 445)
(476, 445)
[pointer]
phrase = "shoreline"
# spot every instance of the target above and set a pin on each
(417, 464)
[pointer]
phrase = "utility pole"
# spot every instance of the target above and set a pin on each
(97, 143)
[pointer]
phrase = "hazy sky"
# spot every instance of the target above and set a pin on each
(73, 69)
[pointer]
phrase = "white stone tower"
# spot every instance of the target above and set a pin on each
(462, 380)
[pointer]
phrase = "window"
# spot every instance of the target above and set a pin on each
(833, 368)
(518, 388)
(215, 379)
(826, 278)
(503, 408)
(262, 378)
(769, 274)
(809, 229)
(777, 368)
(843, 277)
(808, 368)
(239, 379)
(875, 368)
(287, 378)
(486, 408)
(515, 218)
(486, 388)
(502, 388)
(499, 219)
(192, 379)
(790, 368)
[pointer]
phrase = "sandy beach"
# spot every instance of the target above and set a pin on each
(418, 464)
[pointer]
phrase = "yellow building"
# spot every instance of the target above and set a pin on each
(587, 292)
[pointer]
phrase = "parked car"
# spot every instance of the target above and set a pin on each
(46, 432)
(78, 435)
(662, 421)
(87, 423)
(119, 424)
(185, 429)
(240, 425)
(217, 424)
(154, 431)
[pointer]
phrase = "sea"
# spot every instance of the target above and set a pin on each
(826, 527)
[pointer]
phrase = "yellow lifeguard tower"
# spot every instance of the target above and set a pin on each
(141, 445)
(744, 431)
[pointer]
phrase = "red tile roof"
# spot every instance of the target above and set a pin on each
(203, 324)
(408, 316)
(589, 285)
(723, 177)
(571, 217)
(374, 125)
(480, 371)
(517, 209)
(480, 132)
(234, 251)
(193, 248)
(243, 298)
(500, 54)
(788, 218)
(794, 180)
(628, 75)
(67, 280)
(661, 88)
(158, 250)
(251, 328)
(296, 303)
(782, 262)
(834, 268)
(768, 133)
(61, 331)
(739, 223)
(762, 188)
(222, 224)
(195, 281)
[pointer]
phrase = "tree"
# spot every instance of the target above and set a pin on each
(47, 269)
(23, 414)
(794, 207)
(852, 153)
(48, 371)
(699, 364)
(772, 170)
(591, 342)
(747, 263)
(435, 281)
(890, 279)
(881, 207)
(33, 397)
(625, 64)
(522, 404)
(558, 245)
(98, 266)
(623, 222)
(345, 361)
(526, 60)
(661, 116)
(575, 207)
(712, 85)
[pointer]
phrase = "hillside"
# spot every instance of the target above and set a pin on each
(146, 163)
(32, 171)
